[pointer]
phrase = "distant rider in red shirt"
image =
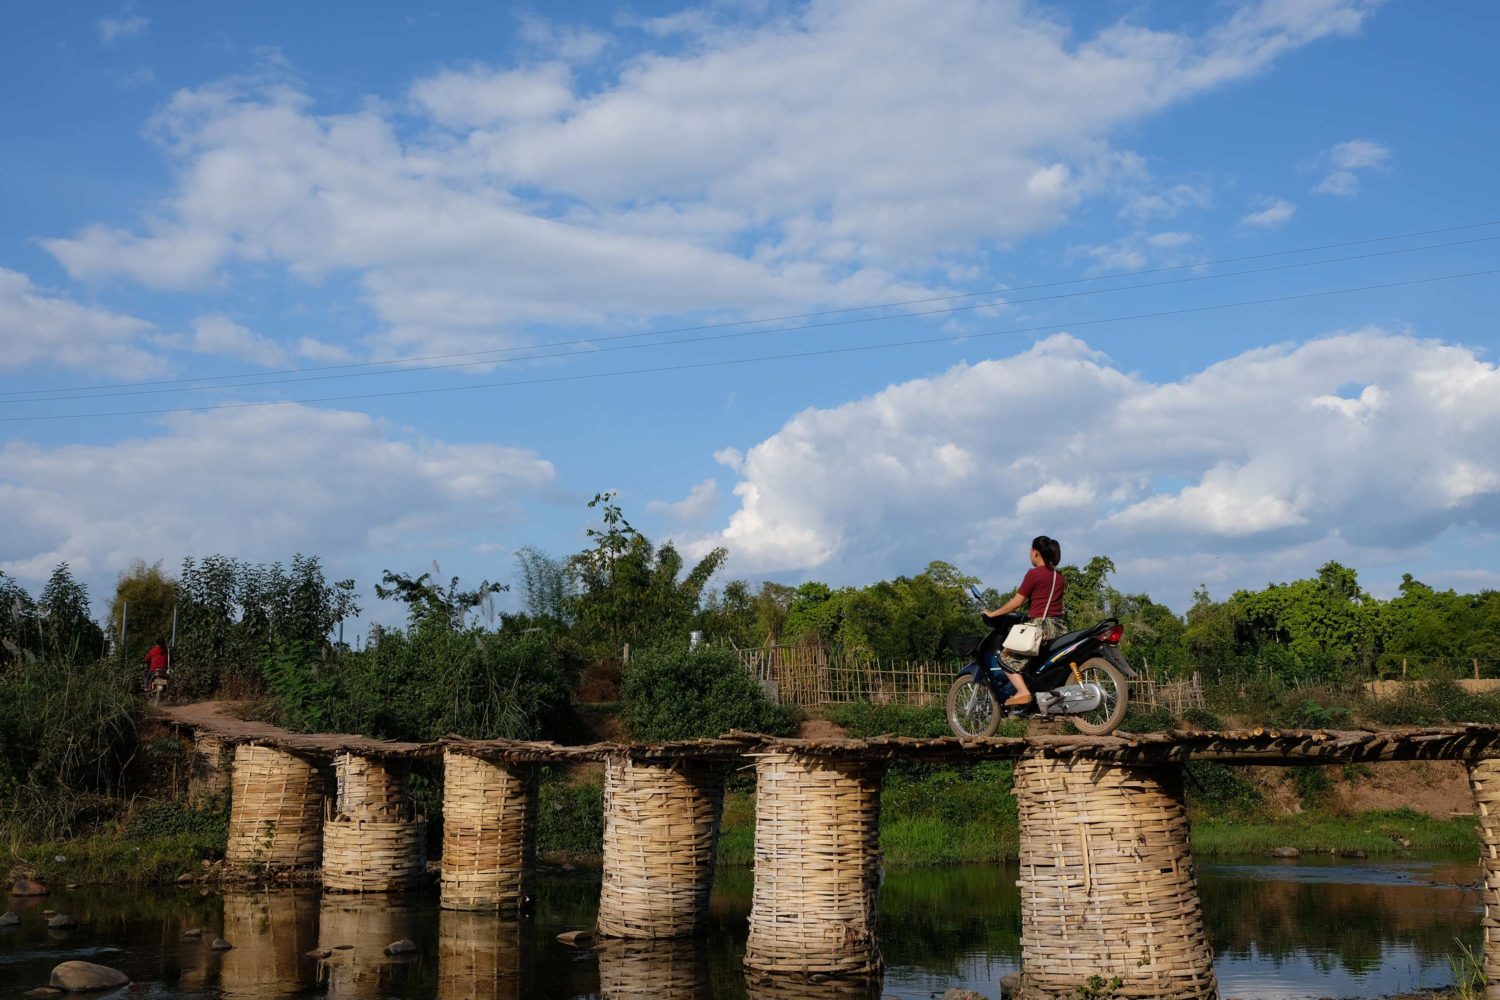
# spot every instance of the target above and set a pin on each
(156, 661)
(1043, 587)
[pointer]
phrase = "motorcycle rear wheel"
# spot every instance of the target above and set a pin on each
(973, 711)
(1107, 717)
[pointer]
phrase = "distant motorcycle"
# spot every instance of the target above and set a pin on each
(1080, 676)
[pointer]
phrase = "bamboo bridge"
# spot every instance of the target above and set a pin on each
(1107, 880)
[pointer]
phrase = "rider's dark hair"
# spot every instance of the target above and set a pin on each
(1048, 549)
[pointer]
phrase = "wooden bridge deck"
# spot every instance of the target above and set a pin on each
(1261, 746)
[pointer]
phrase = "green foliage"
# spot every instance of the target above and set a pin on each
(862, 719)
(1202, 718)
(1099, 988)
(907, 618)
(208, 824)
(428, 603)
(147, 597)
(66, 732)
(677, 693)
(1148, 720)
(1221, 790)
(426, 682)
(1380, 832)
(1428, 703)
(570, 818)
(69, 635)
(1312, 784)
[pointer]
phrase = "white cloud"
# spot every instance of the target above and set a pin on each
(1347, 159)
(221, 336)
(1137, 251)
(1264, 457)
(700, 503)
(258, 483)
(320, 350)
(1273, 212)
(790, 157)
(125, 25)
(41, 328)
(1143, 206)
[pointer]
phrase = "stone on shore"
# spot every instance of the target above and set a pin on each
(221, 945)
(26, 887)
(85, 977)
(405, 946)
(1286, 852)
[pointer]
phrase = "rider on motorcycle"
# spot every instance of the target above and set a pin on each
(1043, 587)
(156, 662)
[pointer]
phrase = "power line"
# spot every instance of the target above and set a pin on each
(772, 319)
(824, 352)
(745, 333)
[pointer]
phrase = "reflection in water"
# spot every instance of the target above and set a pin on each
(357, 929)
(271, 931)
(760, 986)
(669, 969)
(479, 956)
(1301, 930)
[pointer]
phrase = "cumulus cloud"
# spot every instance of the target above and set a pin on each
(122, 26)
(222, 336)
(1347, 160)
(38, 327)
(1272, 213)
(1280, 453)
(818, 154)
(700, 503)
(259, 483)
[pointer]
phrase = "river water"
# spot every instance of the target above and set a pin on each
(1282, 930)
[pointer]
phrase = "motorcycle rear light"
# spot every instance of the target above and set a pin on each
(1114, 635)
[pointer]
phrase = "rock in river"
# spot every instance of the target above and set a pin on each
(61, 922)
(26, 887)
(84, 977)
(9, 919)
(1286, 852)
(405, 946)
(221, 945)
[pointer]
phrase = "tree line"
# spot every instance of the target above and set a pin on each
(237, 620)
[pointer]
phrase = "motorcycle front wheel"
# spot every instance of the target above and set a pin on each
(972, 709)
(1111, 711)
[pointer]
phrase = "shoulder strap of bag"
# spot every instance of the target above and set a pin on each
(1047, 608)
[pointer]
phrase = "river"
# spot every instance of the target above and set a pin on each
(1309, 928)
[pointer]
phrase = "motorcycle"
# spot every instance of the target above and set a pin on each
(1080, 676)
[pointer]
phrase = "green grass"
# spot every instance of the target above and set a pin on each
(1375, 833)
(111, 859)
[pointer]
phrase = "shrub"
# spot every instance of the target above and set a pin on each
(862, 719)
(570, 818)
(209, 823)
(1221, 789)
(1202, 718)
(675, 694)
(1148, 720)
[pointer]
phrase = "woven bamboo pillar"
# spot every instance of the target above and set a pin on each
(1484, 781)
(661, 969)
(479, 956)
(817, 866)
(275, 809)
(1107, 881)
(356, 931)
(210, 768)
(372, 842)
(489, 833)
(271, 932)
(661, 829)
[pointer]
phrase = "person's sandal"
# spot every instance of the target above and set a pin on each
(1018, 700)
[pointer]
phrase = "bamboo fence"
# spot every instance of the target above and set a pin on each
(661, 829)
(1484, 780)
(479, 956)
(489, 825)
(1175, 696)
(276, 809)
(1107, 881)
(817, 861)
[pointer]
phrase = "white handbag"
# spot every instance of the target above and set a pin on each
(1027, 639)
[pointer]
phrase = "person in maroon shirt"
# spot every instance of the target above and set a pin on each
(1041, 590)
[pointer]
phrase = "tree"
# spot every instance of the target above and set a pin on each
(427, 603)
(72, 635)
(20, 629)
(547, 586)
(147, 596)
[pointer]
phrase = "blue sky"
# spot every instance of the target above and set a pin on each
(281, 193)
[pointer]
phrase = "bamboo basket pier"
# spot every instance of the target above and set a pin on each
(489, 833)
(1484, 781)
(1107, 881)
(271, 932)
(659, 969)
(817, 862)
(275, 810)
(210, 774)
(764, 986)
(661, 831)
(356, 929)
(479, 956)
(373, 842)
(371, 789)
